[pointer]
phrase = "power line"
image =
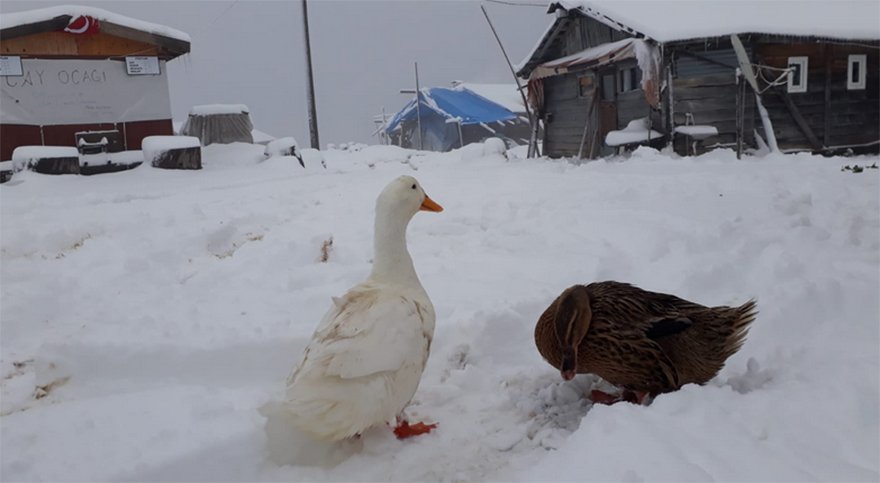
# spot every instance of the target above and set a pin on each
(518, 4)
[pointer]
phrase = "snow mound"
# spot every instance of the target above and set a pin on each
(148, 315)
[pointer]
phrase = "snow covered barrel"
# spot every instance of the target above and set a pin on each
(172, 152)
(46, 159)
(219, 123)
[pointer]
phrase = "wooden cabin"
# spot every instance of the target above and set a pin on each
(71, 74)
(610, 74)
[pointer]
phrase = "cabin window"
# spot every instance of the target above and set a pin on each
(608, 84)
(855, 72)
(629, 79)
(585, 86)
(797, 77)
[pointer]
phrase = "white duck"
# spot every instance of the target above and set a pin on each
(364, 362)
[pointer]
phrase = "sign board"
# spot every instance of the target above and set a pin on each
(10, 65)
(142, 65)
(79, 91)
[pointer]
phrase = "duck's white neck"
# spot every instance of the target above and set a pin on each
(391, 260)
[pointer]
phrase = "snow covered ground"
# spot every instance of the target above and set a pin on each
(157, 310)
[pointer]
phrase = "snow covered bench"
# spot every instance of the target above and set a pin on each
(6, 171)
(636, 132)
(172, 152)
(46, 159)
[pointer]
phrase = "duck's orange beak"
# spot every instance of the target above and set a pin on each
(430, 205)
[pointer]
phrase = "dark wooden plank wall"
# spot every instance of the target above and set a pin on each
(15, 135)
(131, 134)
(707, 90)
(594, 33)
(854, 114)
(631, 105)
(579, 33)
(562, 136)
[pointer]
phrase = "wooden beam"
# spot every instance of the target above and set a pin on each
(538, 55)
(827, 50)
(62, 44)
(51, 25)
(707, 59)
(798, 118)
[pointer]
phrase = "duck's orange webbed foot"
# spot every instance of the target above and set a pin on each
(405, 430)
(602, 397)
(635, 397)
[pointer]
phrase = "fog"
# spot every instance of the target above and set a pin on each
(252, 52)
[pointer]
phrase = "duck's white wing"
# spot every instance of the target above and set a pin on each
(369, 332)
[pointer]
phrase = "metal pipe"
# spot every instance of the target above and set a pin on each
(418, 109)
(313, 112)
(533, 146)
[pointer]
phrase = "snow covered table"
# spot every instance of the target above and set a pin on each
(697, 133)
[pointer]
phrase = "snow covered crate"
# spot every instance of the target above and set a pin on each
(173, 152)
(46, 159)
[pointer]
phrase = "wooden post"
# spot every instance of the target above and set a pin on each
(587, 123)
(740, 102)
(670, 100)
(827, 51)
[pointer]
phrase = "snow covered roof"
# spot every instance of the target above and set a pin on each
(215, 109)
(27, 22)
(505, 95)
(678, 20)
(601, 54)
(671, 20)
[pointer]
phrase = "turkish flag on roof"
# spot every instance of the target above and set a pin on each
(83, 24)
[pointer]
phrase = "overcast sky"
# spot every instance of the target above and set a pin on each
(251, 52)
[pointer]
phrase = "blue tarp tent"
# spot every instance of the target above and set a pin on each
(439, 105)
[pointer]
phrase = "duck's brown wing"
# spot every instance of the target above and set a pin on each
(668, 326)
(716, 334)
(627, 358)
(637, 304)
(629, 325)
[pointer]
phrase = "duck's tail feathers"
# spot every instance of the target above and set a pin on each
(288, 445)
(744, 315)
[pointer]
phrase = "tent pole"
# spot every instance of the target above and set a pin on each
(460, 136)
(418, 108)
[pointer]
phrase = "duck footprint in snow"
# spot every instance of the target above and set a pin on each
(553, 411)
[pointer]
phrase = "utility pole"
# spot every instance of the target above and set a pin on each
(313, 112)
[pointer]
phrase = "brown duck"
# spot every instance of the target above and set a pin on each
(645, 342)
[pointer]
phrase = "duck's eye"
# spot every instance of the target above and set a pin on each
(413, 186)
